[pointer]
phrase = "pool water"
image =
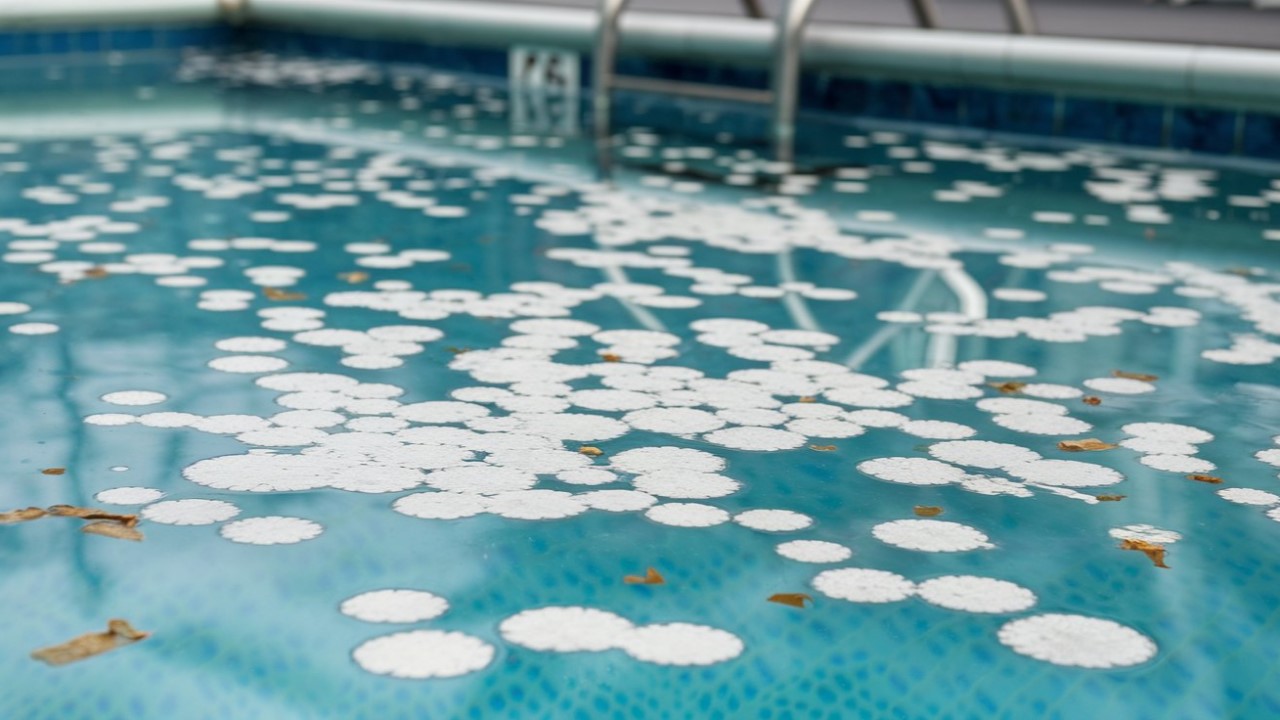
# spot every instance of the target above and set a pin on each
(342, 330)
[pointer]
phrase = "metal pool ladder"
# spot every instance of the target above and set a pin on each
(783, 93)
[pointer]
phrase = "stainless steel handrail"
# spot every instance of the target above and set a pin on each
(603, 62)
(784, 79)
(1019, 15)
(925, 12)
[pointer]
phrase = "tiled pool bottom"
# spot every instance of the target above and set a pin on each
(452, 319)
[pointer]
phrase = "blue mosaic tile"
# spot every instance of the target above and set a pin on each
(936, 104)
(978, 107)
(1202, 130)
(1261, 136)
(132, 39)
(694, 72)
(1086, 119)
(1025, 113)
(840, 94)
(889, 99)
(1138, 124)
(58, 41)
(90, 41)
(28, 43)
(206, 36)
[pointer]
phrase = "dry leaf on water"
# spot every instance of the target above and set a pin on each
(1091, 400)
(353, 277)
(651, 577)
(928, 510)
(822, 448)
(282, 295)
(1144, 377)
(1150, 549)
(807, 399)
(458, 350)
(1009, 386)
(796, 600)
(54, 471)
(1087, 444)
(96, 272)
(610, 357)
(1110, 498)
(590, 451)
(85, 513)
(112, 529)
(119, 633)
(1199, 477)
(22, 515)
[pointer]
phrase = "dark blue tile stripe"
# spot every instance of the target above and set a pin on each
(61, 41)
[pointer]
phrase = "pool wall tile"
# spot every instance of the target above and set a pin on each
(1136, 124)
(1260, 136)
(1203, 130)
(64, 41)
(936, 104)
(1086, 119)
(1025, 112)
(889, 99)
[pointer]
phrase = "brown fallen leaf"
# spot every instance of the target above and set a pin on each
(1199, 477)
(282, 295)
(458, 350)
(822, 448)
(1144, 377)
(927, 510)
(1091, 400)
(119, 633)
(610, 357)
(96, 272)
(85, 513)
(651, 577)
(1008, 386)
(590, 451)
(1085, 445)
(796, 600)
(54, 471)
(1151, 550)
(1110, 498)
(354, 277)
(22, 515)
(807, 399)
(113, 529)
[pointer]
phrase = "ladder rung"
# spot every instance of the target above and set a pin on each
(689, 89)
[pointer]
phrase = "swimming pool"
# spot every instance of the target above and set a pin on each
(334, 328)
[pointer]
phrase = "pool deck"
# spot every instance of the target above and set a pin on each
(1233, 25)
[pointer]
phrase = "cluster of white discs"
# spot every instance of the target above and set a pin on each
(505, 445)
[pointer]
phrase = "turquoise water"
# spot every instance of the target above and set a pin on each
(249, 630)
